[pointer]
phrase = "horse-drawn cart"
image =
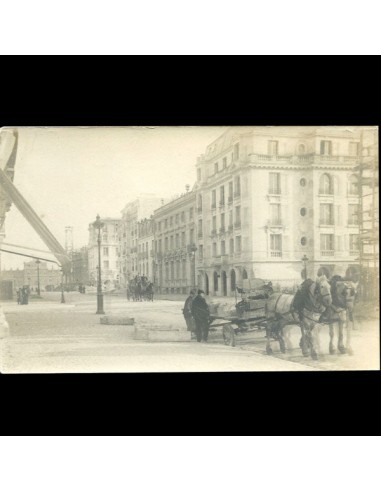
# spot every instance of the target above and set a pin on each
(247, 315)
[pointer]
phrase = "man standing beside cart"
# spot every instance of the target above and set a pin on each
(200, 313)
(187, 312)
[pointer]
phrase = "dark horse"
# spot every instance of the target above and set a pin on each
(304, 309)
(149, 291)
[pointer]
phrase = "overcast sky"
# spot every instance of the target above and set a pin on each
(68, 175)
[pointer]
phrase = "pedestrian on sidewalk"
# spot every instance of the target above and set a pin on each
(187, 312)
(200, 313)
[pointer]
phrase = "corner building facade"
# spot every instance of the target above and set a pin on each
(268, 196)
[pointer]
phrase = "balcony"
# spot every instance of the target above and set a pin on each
(222, 204)
(276, 254)
(199, 235)
(213, 232)
(327, 252)
(354, 252)
(222, 230)
(327, 223)
(230, 200)
(274, 191)
(237, 194)
(237, 224)
(275, 222)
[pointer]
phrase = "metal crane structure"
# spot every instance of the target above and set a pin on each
(369, 214)
(10, 194)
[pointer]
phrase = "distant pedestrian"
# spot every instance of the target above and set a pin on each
(200, 313)
(187, 312)
(19, 296)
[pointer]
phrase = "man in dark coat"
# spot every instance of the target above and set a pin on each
(200, 313)
(187, 311)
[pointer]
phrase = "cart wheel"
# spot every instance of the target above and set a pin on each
(229, 335)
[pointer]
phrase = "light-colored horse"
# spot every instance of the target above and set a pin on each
(341, 312)
(304, 309)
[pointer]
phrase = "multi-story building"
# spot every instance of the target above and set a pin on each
(268, 196)
(133, 213)
(175, 238)
(145, 254)
(49, 277)
(109, 252)
(80, 266)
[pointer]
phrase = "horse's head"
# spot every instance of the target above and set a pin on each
(323, 290)
(347, 289)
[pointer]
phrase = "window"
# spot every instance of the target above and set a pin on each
(237, 216)
(237, 186)
(303, 211)
(303, 182)
(230, 198)
(191, 213)
(191, 236)
(236, 151)
(182, 239)
(301, 149)
(199, 203)
(182, 216)
(171, 221)
(222, 195)
(222, 222)
(198, 174)
(231, 246)
(184, 270)
(325, 185)
(166, 223)
(214, 249)
(223, 247)
(275, 217)
(272, 147)
(274, 184)
(159, 245)
(353, 214)
(325, 147)
(177, 219)
(353, 185)
(105, 251)
(171, 242)
(224, 162)
(166, 244)
(303, 241)
(230, 219)
(159, 226)
(200, 228)
(238, 244)
(353, 148)
(201, 252)
(216, 168)
(172, 270)
(354, 244)
(326, 214)
(214, 199)
(214, 224)
(326, 244)
(276, 245)
(106, 264)
(177, 241)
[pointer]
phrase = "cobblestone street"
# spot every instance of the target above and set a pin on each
(46, 336)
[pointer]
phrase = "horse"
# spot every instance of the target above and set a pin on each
(149, 292)
(304, 309)
(341, 312)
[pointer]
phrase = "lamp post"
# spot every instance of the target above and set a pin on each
(98, 224)
(193, 250)
(305, 260)
(62, 288)
(38, 277)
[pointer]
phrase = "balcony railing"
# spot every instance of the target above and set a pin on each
(354, 252)
(275, 222)
(325, 222)
(276, 254)
(199, 235)
(274, 191)
(327, 252)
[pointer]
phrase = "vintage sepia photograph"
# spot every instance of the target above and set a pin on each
(163, 249)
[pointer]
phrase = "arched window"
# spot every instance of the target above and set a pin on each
(301, 149)
(215, 279)
(353, 185)
(325, 185)
(244, 274)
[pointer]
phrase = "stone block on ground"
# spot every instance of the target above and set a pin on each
(117, 320)
(156, 333)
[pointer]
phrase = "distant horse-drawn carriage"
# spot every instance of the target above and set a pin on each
(140, 289)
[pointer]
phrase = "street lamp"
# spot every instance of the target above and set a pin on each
(98, 224)
(38, 277)
(193, 250)
(62, 288)
(305, 260)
